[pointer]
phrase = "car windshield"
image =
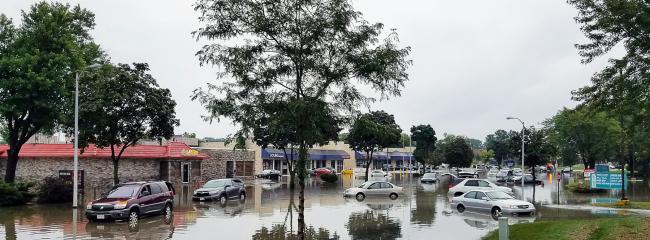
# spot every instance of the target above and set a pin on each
(428, 175)
(123, 191)
(363, 185)
(216, 184)
(498, 195)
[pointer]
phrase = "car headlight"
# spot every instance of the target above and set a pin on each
(89, 206)
(120, 205)
(513, 206)
(214, 192)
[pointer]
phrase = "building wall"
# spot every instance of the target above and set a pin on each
(215, 166)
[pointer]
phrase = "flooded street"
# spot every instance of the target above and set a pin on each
(268, 213)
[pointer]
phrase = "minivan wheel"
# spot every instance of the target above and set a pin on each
(133, 219)
(360, 196)
(222, 199)
(460, 208)
(242, 197)
(167, 211)
(393, 196)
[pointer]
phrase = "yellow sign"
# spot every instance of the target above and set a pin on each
(189, 152)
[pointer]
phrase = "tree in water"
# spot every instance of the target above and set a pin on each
(372, 132)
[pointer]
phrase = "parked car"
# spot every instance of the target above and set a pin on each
(517, 172)
(467, 175)
(503, 175)
(497, 203)
(221, 190)
(476, 184)
(429, 178)
(528, 179)
(378, 173)
(374, 188)
(325, 170)
(132, 200)
(268, 173)
(493, 172)
(567, 170)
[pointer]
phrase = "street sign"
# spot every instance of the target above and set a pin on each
(607, 180)
(602, 168)
(510, 163)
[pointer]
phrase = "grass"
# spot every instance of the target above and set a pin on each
(627, 205)
(578, 229)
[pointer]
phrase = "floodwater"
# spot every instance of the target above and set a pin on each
(422, 212)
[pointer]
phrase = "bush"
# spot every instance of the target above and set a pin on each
(330, 178)
(15, 193)
(582, 187)
(55, 190)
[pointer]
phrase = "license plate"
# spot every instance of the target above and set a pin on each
(100, 227)
(100, 217)
(201, 199)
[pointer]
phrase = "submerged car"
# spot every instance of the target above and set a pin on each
(468, 185)
(132, 200)
(221, 190)
(268, 173)
(496, 202)
(429, 178)
(375, 189)
(377, 173)
(528, 179)
(325, 170)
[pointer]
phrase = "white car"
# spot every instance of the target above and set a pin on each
(429, 178)
(493, 172)
(377, 173)
(476, 185)
(495, 202)
(517, 171)
(374, 188)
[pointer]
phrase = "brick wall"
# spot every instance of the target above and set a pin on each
(215, 166)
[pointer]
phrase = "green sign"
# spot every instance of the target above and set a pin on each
(607, 180)
(602, 168)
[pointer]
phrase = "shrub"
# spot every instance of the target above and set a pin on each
(330, 178)
(55, 190)
(15, 193)
(582, 187)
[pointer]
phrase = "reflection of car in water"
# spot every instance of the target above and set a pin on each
(484, 221)
(159, 227)
(271, 186)
(230, 209)
(375, 203)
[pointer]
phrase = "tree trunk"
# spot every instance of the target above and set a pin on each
(12, 164)
(368, 162)
(116, 163)
(646, 169)
(302, 159)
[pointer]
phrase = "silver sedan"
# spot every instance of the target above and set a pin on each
(374, 188)
(496, 202)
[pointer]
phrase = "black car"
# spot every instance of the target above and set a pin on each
(131, 200)
(221, 190)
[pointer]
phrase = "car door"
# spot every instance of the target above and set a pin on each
(469, 200)
(374, 189)
(145, 199)
(158, 199)
(480, 203)
(386, 188)
(231, 191)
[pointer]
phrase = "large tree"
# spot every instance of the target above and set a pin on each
(498, 143)
(38, 61)
(581, 134)
(121, 105)
(372, 132)
(313, 55)
(456, 151)
(425, 139)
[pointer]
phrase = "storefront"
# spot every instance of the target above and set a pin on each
(318, 158)
(387, 161)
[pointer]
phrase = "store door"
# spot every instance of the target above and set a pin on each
(229, 169)
(185, 172)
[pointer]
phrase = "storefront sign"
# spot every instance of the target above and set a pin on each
(66, 175)
(276, 155)
(602, 168)
(607, 181)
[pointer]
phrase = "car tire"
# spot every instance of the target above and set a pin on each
(393, 196)
(134, 217)
(167, 210)
(460, 208)
(496, 213)
(222, 199)
(242, 197)
(360, 196)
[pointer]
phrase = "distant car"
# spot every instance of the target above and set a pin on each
(493, 172)
(528, 179)
(378, 173)
(429, 178)
(567, 170)
(268, 173)
(467, 175)
(517, 172)
(503, 175)
(374, 188)
(497, 203)
(476, 184)
(132, 200)
(221, 190)
(321, 171)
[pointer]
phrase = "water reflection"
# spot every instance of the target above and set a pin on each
(269, 213)
(373, 225)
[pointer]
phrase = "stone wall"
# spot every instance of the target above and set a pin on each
(97, 172)
(215, 166)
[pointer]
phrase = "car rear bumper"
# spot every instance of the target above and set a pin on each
(107, 215)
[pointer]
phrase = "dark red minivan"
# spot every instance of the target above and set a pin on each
(132, 200)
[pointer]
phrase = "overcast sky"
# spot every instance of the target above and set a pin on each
(474, 62)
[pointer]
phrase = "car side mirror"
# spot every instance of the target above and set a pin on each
(227, 186)
(484, 198)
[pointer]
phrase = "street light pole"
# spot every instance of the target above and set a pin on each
(75, 172)
(523, 169)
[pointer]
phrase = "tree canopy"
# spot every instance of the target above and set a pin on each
(38, 61)
(372, 132)
(425, 139)
(456, 151)
(498, 143)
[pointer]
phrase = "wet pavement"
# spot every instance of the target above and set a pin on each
(422, 212)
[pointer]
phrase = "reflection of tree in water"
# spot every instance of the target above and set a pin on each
(425, 208)
(279, 231)
(369, 225)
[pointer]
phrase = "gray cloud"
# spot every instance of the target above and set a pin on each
(475, 62)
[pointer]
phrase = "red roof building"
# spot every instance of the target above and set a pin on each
(174, 150)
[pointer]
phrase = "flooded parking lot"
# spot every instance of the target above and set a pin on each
(423, 211)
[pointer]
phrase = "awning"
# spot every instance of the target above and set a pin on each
(360, 156)
(400, 155)
(314, 154)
